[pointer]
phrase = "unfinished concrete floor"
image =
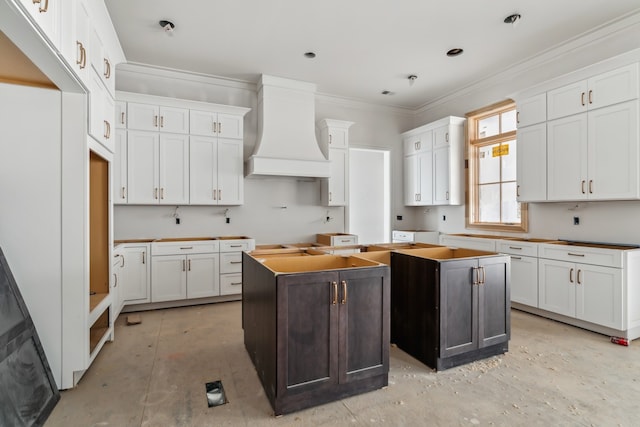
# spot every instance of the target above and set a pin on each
(154, 374)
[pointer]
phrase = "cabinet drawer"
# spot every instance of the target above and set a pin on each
(238, 245)
(517, 248)
(230, 284)
(479, 243)
(337, 239)
(402, 236)
(582, 254)
(184, 247)
(231, 262)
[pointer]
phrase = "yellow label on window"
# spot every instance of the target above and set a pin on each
(500, 150)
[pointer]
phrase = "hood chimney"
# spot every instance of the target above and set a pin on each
(287, 144)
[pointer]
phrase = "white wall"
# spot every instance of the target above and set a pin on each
(30, 190)
(263, 215)
(599, 221)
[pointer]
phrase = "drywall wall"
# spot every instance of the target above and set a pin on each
(30, 173)
(599, 221)
(275, 209)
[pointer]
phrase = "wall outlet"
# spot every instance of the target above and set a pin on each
(576, 220)
(399, 217)
(444, 217)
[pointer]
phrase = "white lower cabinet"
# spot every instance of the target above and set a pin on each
(587, 292)
(524, 280)
(135, 274)
(184, 270)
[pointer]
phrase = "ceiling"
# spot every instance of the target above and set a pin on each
(363, 47)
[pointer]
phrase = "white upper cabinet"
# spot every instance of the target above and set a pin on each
(76, 38)
(595, 155)
(605, 89)
(221, 125)
(47, 14)
(101, 63)
(215, 171)
(531, 166)
(434, 163)
(333, 139)
(157, 118)
(532, 110)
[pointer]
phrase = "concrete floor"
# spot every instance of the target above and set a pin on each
(154, 374)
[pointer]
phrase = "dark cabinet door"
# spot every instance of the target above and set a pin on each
(363, 323)
(307, 332)
(458, 307)
(494, 301)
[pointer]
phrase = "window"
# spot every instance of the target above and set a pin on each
(492, 186)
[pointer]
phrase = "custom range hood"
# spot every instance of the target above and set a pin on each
(286, 144)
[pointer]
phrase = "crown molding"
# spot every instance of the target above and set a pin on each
(583, 41)
(190, 76)
(345, 102)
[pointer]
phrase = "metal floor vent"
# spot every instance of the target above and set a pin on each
(215, 394)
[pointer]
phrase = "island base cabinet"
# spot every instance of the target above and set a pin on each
(449, 312)
(330, 338)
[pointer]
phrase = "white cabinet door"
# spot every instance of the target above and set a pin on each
(567, 158)
(230, 126)
(143, 116)
(77, 43)
(121, 114)
(143, 159)
(338, 138)
(425, 178)
(615, 86)
(203, 176)
(174, 169)
(47, 14)
(557, 286)
(174, 120)
(567, 100)
(524, 280)
(441, 136)
(203, 123)
(613, 152)
(337, 191)
(203, 275)
(599, 295)
(134, 275)
(230, 172)
(441, 171)
(169, 274)
(411, 180)
(531, 111)
(119, 185)
(532, 163)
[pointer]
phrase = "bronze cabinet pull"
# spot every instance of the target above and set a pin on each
(571, 275)
(334, 300)
(344, 292)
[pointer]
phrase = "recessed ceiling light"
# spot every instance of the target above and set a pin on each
(455, 52)
(167, 25)
(512, 19)
(310, 55)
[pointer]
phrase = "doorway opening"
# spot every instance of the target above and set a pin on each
(369, 195)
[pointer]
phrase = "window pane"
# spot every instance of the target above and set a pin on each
(510, 206)
(508, 160)
(489, 203)
(488, 165)
(508, 121)
(489, 126)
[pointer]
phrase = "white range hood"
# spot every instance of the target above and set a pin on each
(286, 144)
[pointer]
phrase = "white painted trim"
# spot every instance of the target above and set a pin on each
(180, 103)
(175, 74)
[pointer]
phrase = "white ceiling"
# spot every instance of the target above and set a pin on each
(363, 46)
